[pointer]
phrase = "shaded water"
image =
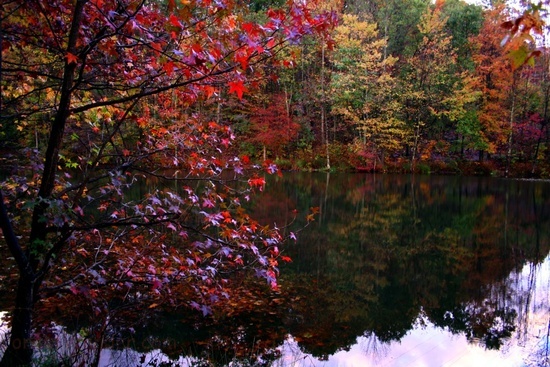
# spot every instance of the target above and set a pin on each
(398, 259)
(395, 271)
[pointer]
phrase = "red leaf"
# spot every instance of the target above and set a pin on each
(156, 46)
(238, 88)
(257, 182)
(242, 59)
(169, 67)
(271, 43)
(71, 58)
(196, 47)
(141, 19)
(174, 21)
(98, 3)
(209, 90)
(251, 29)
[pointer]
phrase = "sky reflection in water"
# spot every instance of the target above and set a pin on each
(429, 346)
(384, 248)
(426, 345)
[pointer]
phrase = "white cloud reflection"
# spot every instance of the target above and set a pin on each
(430, 346)
(424, 346)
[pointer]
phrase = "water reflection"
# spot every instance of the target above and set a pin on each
(390, 253)
(429, 345)
(395, 271)
(401, 269)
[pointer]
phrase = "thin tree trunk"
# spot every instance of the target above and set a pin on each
(415, 146)
(542, 126)
(512, 118)
(324, 125)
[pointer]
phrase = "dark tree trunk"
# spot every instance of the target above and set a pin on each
(19, 351)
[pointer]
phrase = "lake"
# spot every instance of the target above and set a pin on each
(419, 270)
(396, 270)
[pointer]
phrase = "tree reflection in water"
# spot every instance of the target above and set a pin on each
(388, 255)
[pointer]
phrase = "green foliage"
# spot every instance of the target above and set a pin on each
(423, 168)
(469, 128)
(463, 21)
(283, 164)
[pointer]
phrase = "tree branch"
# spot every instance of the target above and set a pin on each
(12, 241)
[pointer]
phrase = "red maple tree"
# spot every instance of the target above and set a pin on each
(272, 126)
(109, 92)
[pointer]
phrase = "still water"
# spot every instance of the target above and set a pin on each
(418, 270)
(394, 271)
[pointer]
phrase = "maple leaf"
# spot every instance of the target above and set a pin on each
(242, 59)
(257, 182)
(238, 88)
(245, 159)
(174, 21)
(71, 58)
(209, 90)
(169, 67)
(248, 28)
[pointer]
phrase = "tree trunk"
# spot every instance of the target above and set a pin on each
(510, 135)
(415, 146)
(19, 351)
(324, 125)
(541, 131)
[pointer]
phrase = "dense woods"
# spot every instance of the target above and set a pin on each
(412, 86)
(202, 99)
(400, 86)
(422, 87)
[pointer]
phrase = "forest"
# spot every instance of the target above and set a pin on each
(409, 86)
(395, 86)
(133, 134)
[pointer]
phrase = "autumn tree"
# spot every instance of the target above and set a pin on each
(434, 92)
(271, 126)
(464, 20)
(110, 92)
(496, 81)
(363, 90)
(398, 21)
